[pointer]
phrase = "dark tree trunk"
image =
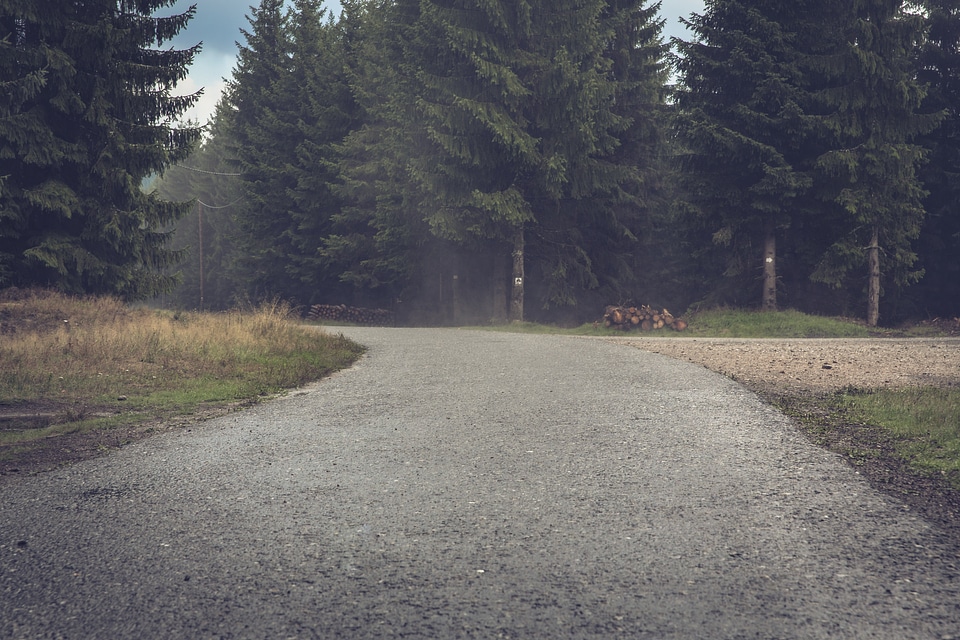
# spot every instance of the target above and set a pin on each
(873, 285)
(769, 266)
(516, 295)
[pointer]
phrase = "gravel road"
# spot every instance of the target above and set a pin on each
(459, 484)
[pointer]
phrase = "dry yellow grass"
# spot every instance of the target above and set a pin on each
(60, 352)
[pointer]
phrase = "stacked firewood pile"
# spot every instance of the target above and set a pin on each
(355, 315)
(643, 317)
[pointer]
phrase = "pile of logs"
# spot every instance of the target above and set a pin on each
(643, 317)
(355, 315)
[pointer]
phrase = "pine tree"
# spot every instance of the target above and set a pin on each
(473, 85)
(633, 266)
(939, 242)
(586, 246)
(518, 101)
(327, 113)
(292, 107)
(514, 137)
(378, 238)
(875, 96)
(263, 126)
(748, 120)
(87, 115)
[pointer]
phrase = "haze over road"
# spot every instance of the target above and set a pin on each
(463, 484)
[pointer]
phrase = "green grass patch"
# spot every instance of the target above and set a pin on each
(739, 323)
(923, 424)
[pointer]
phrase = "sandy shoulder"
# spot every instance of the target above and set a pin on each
(817, 365)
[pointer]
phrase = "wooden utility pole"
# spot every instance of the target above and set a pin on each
(200, 234)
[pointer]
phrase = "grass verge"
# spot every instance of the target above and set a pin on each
(738, 323)
(74, 365)
(922, 425)
(895, 461)
(868, 426)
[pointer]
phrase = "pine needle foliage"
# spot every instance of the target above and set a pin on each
(290, 108)
(938, 247)
(86, 116)
(801, 122)
(876, 122)
(512, 126)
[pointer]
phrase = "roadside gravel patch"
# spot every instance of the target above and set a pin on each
(818, 365)
(477, 485)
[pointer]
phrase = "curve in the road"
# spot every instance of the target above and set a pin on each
(464, 484)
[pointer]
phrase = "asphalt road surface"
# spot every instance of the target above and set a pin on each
(461, 484)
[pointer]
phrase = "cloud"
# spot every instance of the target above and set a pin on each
(217, 24)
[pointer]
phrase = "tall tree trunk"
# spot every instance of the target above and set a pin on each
(501, 273)
(769, 266)
(516, 295)
(873, 285)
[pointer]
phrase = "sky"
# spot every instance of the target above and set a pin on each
(217, 24)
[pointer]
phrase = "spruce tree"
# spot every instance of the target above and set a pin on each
(586, 245)
(327, 113)
(378, 237)
(512, 136)
(263, 125)
(876, 120)
(748, 119)
(518, 100)
(473, 85)
(938, 294)
(207, 235)
(86, 116)
(634, 267)
(292, 107)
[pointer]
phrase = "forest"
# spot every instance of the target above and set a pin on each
(476, 161)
